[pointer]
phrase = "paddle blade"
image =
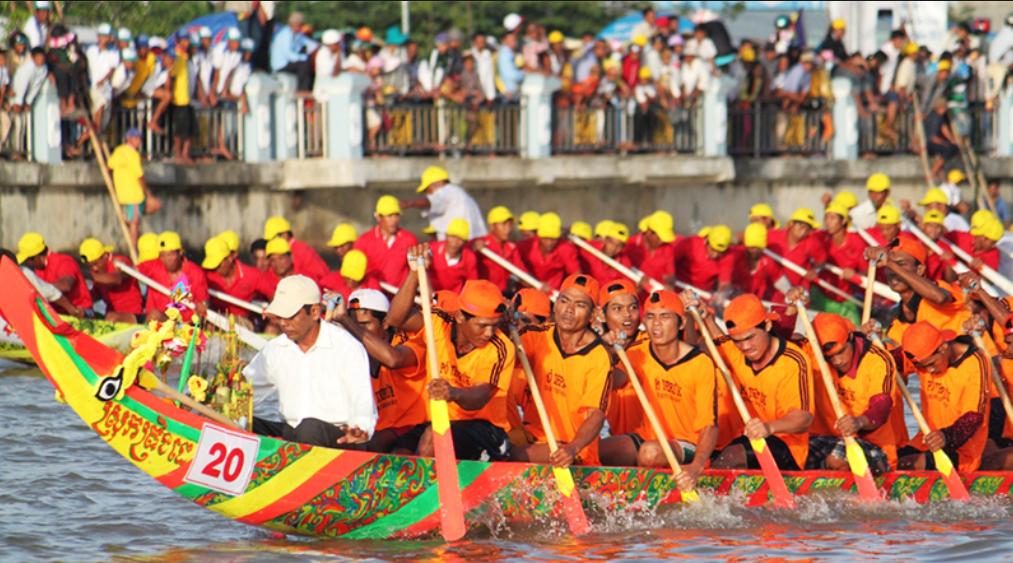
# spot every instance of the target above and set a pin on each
(863, 475)
(775, 481)
(950, 476)
(448, 483)
(690, 496)
(570, 500)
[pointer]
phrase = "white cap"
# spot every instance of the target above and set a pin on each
(42, 5)
(234, 34)
(331, 37)
(204, 32)
(157, 42)
(129, 54)
(369, 299)
(104, 29)
(293, 293)
(247, 44)
(512, 22)
(124, 34)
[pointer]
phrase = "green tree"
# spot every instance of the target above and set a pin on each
(153, 18)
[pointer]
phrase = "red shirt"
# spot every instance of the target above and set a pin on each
(848, 255)
(695, 268)
(453, 277)
(387, 259)
(554, 267)
(759, 281)
(335, 282)
(60, 265)
(934, 265)
(806, 253)
(194, 274)
(598, 269)
(966, 243)
(658, 264)
(489, 270)
(881, 240)
(247, 284)
(123, 298)
(308, 261)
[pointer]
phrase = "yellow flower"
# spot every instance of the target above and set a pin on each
(198, 387)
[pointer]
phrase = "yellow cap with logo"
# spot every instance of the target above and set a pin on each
(147, 247)
(602, 228)
(888, 215)
(354, 265)
(231, 240)
(93, 249)
(755, 236)
(459, 228)
(720, 238)
(275, 226)
(582, 230)
(168, 241)
(343, 234)
(432, 175)
(805, 215)
(619, 232)
(934, 216)
(529, 221)
(499, 214)
(29, 246)
(215, 251)
(277, 246)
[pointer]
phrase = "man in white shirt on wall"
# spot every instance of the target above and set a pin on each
(327, 62)
(445, 202)
(36, 27)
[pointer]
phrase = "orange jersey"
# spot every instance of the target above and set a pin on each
(625, 414)
(1006, 372)
(683, 394)
(401, 393)
(950, 316)
(492, 364)
(783, 385)
(518, 398)
(570, 386)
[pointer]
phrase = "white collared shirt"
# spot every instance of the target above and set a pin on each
(225, 61)
(451, 202)
(329, 382)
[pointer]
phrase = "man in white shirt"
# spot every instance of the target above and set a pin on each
(201, 68)
(328, 59)
(36, 27)
(445, 202)
(484, 65)
(319, 370)
(646, 27)
(865, 215)
(124, 73)
(892, 50)
(225, 58)
(694, 74)
(936, 200)
(28, 81)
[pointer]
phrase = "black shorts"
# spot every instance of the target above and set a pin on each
(778, 449)
(184, 122)
(930, 459)
(688, 448)
(476, 440)
(996, 420)
(822, 447)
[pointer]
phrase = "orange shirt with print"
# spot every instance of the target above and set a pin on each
(625, 414)
(683, 394)
(401, 393)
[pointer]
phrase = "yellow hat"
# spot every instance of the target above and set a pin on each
(935, 195)
(231, 240)
(556, 36)
(169, 241)
(459, 228)
(92, 249)
(619, 232)
(761, 210)
(343, 234)
(838, 24)
(609, 64)
(216, 250)
(640, 40)
(147, 247)
(642, 225)
(944, 65)
(847, 199)
(878, 183)
(354, 265)
(991, 230)
(644, 72)
(499, 214)
(888, 215)
(663, 225)
(432, 175)
(838, 209)
(909, 48)
(428, 230)
(806, 216)
(956, 176)
(582, 230)
(529, 221)
(702, 233)
(388, 205)
(29, 246)
(602, 228)
(550, 226)
(755, 236)
(981, 217)
(275, 226)
(277, 246)
(934, 216)
(720, 238)
(748, 55)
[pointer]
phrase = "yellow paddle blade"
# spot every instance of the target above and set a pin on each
(758, 445)
(690, 496)
(440, 416)
(943, 463)
(564, 480)
(856, 459)
(147, 380)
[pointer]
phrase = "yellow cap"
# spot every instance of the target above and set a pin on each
(277, 246)
(215, 250)
(459, 228)
(93, 249)
(755, 236)
(847, 199)
(910, 48)
(609, 64)
(147, 247)
(981, 217)
(838, 209)
(343, 234)
(529, 221)
(704, 232)
(428, 230)
(944, 65)
(720, 238)
(602, 228)
(29, 246)
(275, 226)
(619, 232)
(644, 72)
(761, 210)
(888, 215)
(747, 55)
(582, 230)
(388, 205)
(169, 241)
(231, 240)
(878, 183)
(956, 176)
(934, 216)
(640, 40)
(354, 264)
(806, 216)
(663, 225)
(432, 175)
(935, 195)
(556, 36)
(499, 214)
(838, 24)
(642, 225)
(550, 226)
(991, 230)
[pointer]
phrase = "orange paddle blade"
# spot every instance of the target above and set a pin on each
(775, 481)
(950, 476)
(860, 469)
(448, 483)
(570, 499)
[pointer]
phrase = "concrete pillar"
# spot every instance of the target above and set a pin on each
(258, 132)
(1004, 123)
(845, 116)
(286, 119)
(536, 117)
(47, 137)
(712, 121)
(344, 127)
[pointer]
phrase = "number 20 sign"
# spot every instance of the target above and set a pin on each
(224, 460)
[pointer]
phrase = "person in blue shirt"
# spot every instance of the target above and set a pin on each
(510, 76)
(1001, 205)
(291, 50)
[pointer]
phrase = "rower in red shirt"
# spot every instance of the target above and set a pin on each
(232, 277)
(310, 263)
(550, 259)
(352, 275)
(120, 292)
(980, 243)
(282, 263)
(706, 262)
(795, 243)
(758, 273)
(387, 244)
(528, 224)
(655, 255)
(343, 240)
(888, 227)
(147, 253)
(173, 265)
(845, 250)
(612, 243)
(501, 223)
(937, 268)
(453, 263)
(58, 269)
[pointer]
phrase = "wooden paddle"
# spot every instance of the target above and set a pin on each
(149, 381)
(789, 265)
(521, 274)
(775, 480)
(881, 289)
(252, 307)
(867, 304)
(943, 463)
(448, 483)
(856, 456)
(569, 496)
(687, 496)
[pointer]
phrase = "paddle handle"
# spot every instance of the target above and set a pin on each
(103, 166)
(148, 380)
(802, 272)
(740, 405)
(513, 269)
(828, 380)
(236, 301)
(923, 424)
(996, 376)
(427, 319)
(393, 291)
(536, 395)
(614, 264)
(880, 288)
(652, 416)
(867, 304)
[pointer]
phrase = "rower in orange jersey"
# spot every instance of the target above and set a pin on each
(758, 273)
(547, 256)
(307, 261)
(453, 262)
(998, 455)
(612, 243)
(706, 262)
(532, 308)
(655, 255)
(954, 377)
(573, 369)
(352, 276)
(501, 224)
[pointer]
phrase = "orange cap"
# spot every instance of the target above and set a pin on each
(912, 247)
(1008, 302)
(614, 289)
(922, 339)
(481, 298)
(832, 331)
(665, 299)
(1007, 325)
(446, 300)
(583, 282)
(530, 300)
(746, 312)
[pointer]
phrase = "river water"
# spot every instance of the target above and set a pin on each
(66, 496)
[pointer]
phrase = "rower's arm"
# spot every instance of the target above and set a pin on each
(921, 285)
(420, 203)
(104, 278)
(64, 284)
(473, 398)
(705, 444)
(403, 314)
(589, 430)
(392, 357)
(796, 421)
